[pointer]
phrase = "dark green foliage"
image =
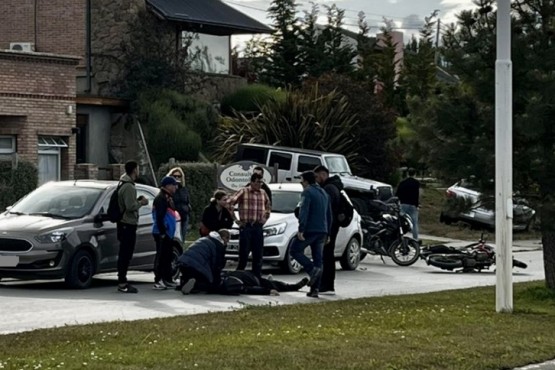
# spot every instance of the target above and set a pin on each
(375, 128)
(247, 99)
(15, 183)
(306, 119)
(282, 65)
(201, 182)
(176, 124)
(155, 57)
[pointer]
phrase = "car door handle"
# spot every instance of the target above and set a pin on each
(288, 178)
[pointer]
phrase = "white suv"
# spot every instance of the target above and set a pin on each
(282, 226)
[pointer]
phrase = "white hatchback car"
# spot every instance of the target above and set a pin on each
(281, 229)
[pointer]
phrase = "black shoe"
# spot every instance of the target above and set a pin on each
(127, 288)
(302, 283)
(314, 275)
(313, 293)
(188, 286)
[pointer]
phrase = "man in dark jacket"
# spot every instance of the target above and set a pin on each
(332, 186)
(163, 230)
(202, 263)
(408, 193)
(246, 282)
(314, 228)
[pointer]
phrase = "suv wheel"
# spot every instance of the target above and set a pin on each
(80, 270)
(351, 257)
(290, 265)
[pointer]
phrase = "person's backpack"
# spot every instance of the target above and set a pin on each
(346, 210)
(115, 214)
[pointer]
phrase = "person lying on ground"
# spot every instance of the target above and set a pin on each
(246, 282)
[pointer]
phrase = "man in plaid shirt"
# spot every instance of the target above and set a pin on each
(254, 210)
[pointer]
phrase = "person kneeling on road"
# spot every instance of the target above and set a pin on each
(201, 265)
(246, 282)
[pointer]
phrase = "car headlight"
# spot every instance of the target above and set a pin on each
(275, 229)
(55, 236)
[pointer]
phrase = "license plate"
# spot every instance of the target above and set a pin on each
(9, 261)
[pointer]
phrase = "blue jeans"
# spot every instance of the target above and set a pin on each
(251, 239)
(412, 211)
(316, 242)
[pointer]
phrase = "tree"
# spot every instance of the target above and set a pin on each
(469, 48)
(282, 65)
(374, 130)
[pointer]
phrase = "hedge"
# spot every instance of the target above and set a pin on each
(15, 183)
(200, 179)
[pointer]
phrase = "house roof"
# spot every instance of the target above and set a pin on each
(206, 16)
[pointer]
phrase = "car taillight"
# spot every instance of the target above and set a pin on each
(450, 194)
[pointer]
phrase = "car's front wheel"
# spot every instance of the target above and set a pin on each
(351, 256)
(80, 270)
(289, 264)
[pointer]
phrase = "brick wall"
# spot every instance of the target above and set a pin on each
(54, 26)
(35, 93)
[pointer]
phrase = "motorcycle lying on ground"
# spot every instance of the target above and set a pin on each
(473, 257)
(385, 236)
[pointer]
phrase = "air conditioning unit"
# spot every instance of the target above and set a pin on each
(22, 46)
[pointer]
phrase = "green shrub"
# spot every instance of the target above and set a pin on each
(247, 100)
(200, 179)
(176, 125)
(15, 183)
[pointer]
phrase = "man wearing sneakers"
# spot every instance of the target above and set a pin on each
(129, 205)
(202, 263)
(163, 230)
(315, 220)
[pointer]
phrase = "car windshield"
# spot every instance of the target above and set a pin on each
(338, 164)
(285, 201)
(58, 201)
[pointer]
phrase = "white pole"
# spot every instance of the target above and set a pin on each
(504, 160)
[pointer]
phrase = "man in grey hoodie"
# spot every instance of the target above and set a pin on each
(129, 204)
(315, 220)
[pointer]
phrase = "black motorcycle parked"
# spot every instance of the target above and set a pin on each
(473, 257)
(384, 234)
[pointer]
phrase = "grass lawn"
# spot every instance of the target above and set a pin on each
(445, 330)
(431, 203)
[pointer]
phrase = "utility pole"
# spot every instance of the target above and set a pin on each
(503, 160)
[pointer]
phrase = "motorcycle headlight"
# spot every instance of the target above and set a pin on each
(406, 223)
(55, 236)
(275, 229)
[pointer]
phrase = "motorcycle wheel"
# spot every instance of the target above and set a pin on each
(445, 262)
(519, 264)
(405, 252)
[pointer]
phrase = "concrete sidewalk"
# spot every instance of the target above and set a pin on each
(518, 245)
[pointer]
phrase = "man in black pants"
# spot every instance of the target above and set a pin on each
(129, 205)
(332, 186)
(245, 282)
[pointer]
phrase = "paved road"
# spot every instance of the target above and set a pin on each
(31, 305)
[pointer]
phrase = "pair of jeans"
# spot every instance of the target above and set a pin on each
(127, 237)
(251, 239)
(316, 242)
(163, 259)
(412, 211)
(327, 282)
(184, 227)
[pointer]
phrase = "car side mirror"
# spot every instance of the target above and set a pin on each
(100, 218)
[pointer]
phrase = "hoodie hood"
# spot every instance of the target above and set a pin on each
(335, 180)
(216, 235)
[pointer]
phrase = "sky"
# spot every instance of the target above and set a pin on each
(407, 15)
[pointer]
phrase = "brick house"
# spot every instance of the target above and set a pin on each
(58, 64)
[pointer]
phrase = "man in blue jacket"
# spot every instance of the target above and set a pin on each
(202, 263)
(315, 220)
